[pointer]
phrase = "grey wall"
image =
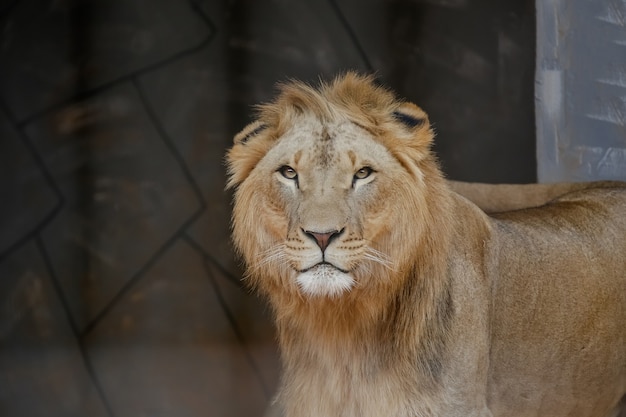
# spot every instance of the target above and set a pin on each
(581, 90)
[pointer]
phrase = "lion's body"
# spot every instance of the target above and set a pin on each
(562, 335)
(395, 296)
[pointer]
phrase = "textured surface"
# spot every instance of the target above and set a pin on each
(119, 292)
(581, 90)
(42, 369)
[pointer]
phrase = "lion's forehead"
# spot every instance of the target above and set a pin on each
(330, 144)
(317, 134)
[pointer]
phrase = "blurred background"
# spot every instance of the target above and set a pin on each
(119, 292)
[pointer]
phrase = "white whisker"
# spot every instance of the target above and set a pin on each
(379, 257)
(272, 255)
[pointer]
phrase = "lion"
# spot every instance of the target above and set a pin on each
(393, 295)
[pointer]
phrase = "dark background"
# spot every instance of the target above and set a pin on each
(119, 293)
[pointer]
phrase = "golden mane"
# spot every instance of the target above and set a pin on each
(356, 98)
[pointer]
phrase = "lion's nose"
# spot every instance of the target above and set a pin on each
(323, 239)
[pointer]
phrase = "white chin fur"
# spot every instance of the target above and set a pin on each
(324, 280)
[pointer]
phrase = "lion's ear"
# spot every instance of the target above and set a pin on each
(411, 136)
(414, 126)
(407, 119)
(246, 153)
(411, 116)
(249, 132)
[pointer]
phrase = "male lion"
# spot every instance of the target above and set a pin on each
(395, 296)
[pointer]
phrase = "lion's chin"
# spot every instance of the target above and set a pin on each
(324, 280)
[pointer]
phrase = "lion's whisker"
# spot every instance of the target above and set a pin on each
(379, 257)
(274, 254)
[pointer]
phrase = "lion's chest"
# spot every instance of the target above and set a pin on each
(351, 387)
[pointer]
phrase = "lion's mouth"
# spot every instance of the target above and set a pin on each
(323, 265)
(324, 279)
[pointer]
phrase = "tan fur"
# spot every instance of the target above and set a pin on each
(432, 308)
(495, 198)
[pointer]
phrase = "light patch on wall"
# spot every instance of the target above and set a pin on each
(550, 93)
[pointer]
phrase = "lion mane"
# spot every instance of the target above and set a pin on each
(394, 295)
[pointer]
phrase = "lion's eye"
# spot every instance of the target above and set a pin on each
(288, 172)
(363, 173)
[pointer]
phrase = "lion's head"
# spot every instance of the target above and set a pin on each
(326, 179)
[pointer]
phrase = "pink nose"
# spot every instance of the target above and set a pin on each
(323, 239)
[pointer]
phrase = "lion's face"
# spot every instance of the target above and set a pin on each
(330, 179)
(320, 195)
